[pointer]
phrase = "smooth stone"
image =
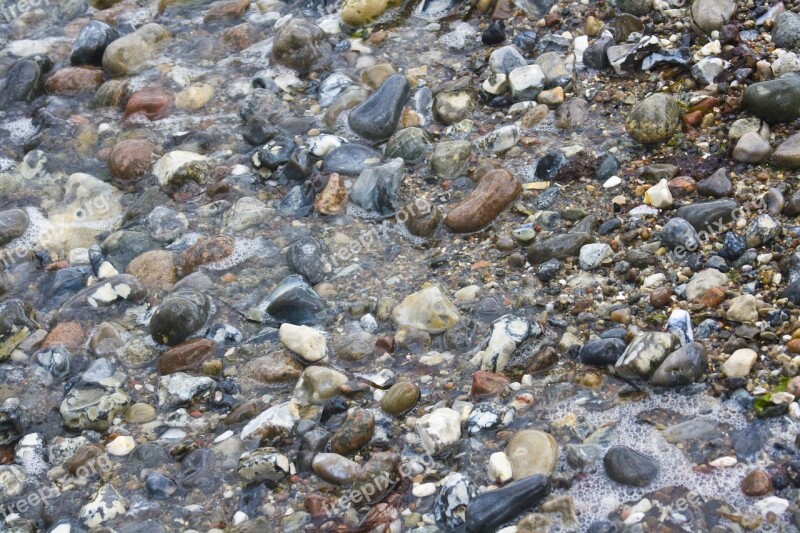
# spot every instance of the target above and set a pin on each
(25, 80)
(711, 15)
(350, 159)
(354, 433)
(131, 159)
(400, 398)
(532, 452)
(786, 31)
(188, 355)
(126, 55)
(409, 144)
(13, 223)
(454, 101)
(678, 233)
(602, 352)
(775, 101)
(377, 188)
(295, 302)
(317, 384)
(335, 469)
(305, 341)
(751, 148)
(558, 247)
(717, 185)
(491, 509)
(424, 218)
(428, 309)
(705, 216)
(739, 363)
(496, 191)
(505, 59)
(300, 45)
(360, 12)
(92, 408)
(526, 82)
(743, 309)
(630, 467)
(645, 352)
(91, 43)
(306, 257)
(376, 118)
(787, 154)
(682, 367)
(178, 316)
(703, 281)
(654, 119)
(593, 255)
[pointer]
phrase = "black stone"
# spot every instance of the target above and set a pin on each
(350, 158)
(299, 201)
(490, 510)
(178, 316)
(732, 246)
(376, 118)
(91, 43)
(678, 232)
(681, 367)
(706, 216)
(275, 153)
(305, 257)
(159, 486)
(494, 34)
(25, 80)
(548, 270)
(295, 302)
(602, 352)
(629, 467)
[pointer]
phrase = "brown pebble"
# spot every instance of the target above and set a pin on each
(485, 384)
(713, 297)
(185, 356)
(756, 483)
(130, 160)
(153, 103)
(75, 80)
(496, 190)
(661, 297)
(793, 346)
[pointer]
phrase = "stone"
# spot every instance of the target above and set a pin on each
(400, 398)
(787, 154)
(677, 233)
(508, 333)
(762, 230)
(739, 363)
(179, 166)
(494, 34)
(121, 446)
(409, 144)
(454, 101)
(126, 55)
(245, 213)
(275, 421)
(602, 352)
(25, 80)
(376, 118)
(717, 185)
(682, 367)
(152, 103)
(707, 69)
(194, 97)
(360, 12)
(181, 389)
(377, 188)
(92, 408)
(333, 198)
(786, 31)
(775, 101)
(293, 301)
(178, 316)
(106, 505)
(335, 469)
(300, 45)
(710, 15)
(743, 309)
(451, 502)
(13, 223)
(439, 429)
(653, 120)
(505, 59)
(423, 218)
(756, 483)
(275, 367)
(645, 352)
(526, 82)
(705, 216)
(428, 309)
(318, 384)
(703, 281)
(305, 341)
(72, 81)
(630, 467)
(91, 43)
(593, 255)
(532, 452)
(496, 190)
(264, 465)
(130, 160)
(354, 433)
(186, 356)
(450, 158)
(752, 148)
(558, 247)
(491, 509)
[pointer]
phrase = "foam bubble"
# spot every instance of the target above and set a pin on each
(596, 495)
(402, 230)
(38, 226)
(21, 129)
(6, 164)
(243, 249)
(361, 213)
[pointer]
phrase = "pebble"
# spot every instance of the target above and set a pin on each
(630, 467)
(739, 363)
(532, 452)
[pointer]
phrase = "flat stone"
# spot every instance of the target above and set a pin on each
(496, 190)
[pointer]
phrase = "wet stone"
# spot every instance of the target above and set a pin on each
(630, 467)
(354, 433)
(377, 188)
(178, 316)
(490, 510)
(300, 45)
(92, 42)
(532, 452)
(377, 117)
(496, 190)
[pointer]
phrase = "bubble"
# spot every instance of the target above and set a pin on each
(243, 249)
(361, 213)
(402, 230)
(21, 130)
(596, 495)
(433, 9)
(6, 164)
(38, 226)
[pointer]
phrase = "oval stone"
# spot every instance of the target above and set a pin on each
(188, 355)
(496, 190)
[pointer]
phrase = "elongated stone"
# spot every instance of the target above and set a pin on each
(496, 190)
(558, 247)
(492, 509)
(376, 118)
(681, 367)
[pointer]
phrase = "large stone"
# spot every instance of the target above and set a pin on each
(126, 55)
(508, 333)
(491, 509)
(376, 118)
(300, 45)
(682, 367)
(91, 43)
(702, 281)
(654, 119)
(710, 15)
(360, 12)
(428, 309)
(645, 353)
(177, 167)
(317, 384)
(532, 452)
(305, 341)
(775, 101)
(708, 216)
(787, 154)
(450, 158)
(496, 190)
(786, 31)
(752, 148)
(630, 467)
(377, 188)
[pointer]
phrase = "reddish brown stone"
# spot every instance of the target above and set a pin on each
(354, 433)
(496, 190)
(187, 355)
(503, 10)
(712, 297)
(152, 103)
(66, 334)
(130, 160)
(486, 384)
(661, 297)
(317, 505)
(693, 118)
(206, 250)
(793, 346)
(70, 81)
(241, 36)
(756, 483)
(332, 198)
(227, 10)
(545, 359)
(681, 186)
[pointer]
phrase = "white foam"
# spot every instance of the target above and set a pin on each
(21, 129)
(596, 495)
(243, 249)
(361, 213)
(6, 164)
(38, 226)
(402, 230)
